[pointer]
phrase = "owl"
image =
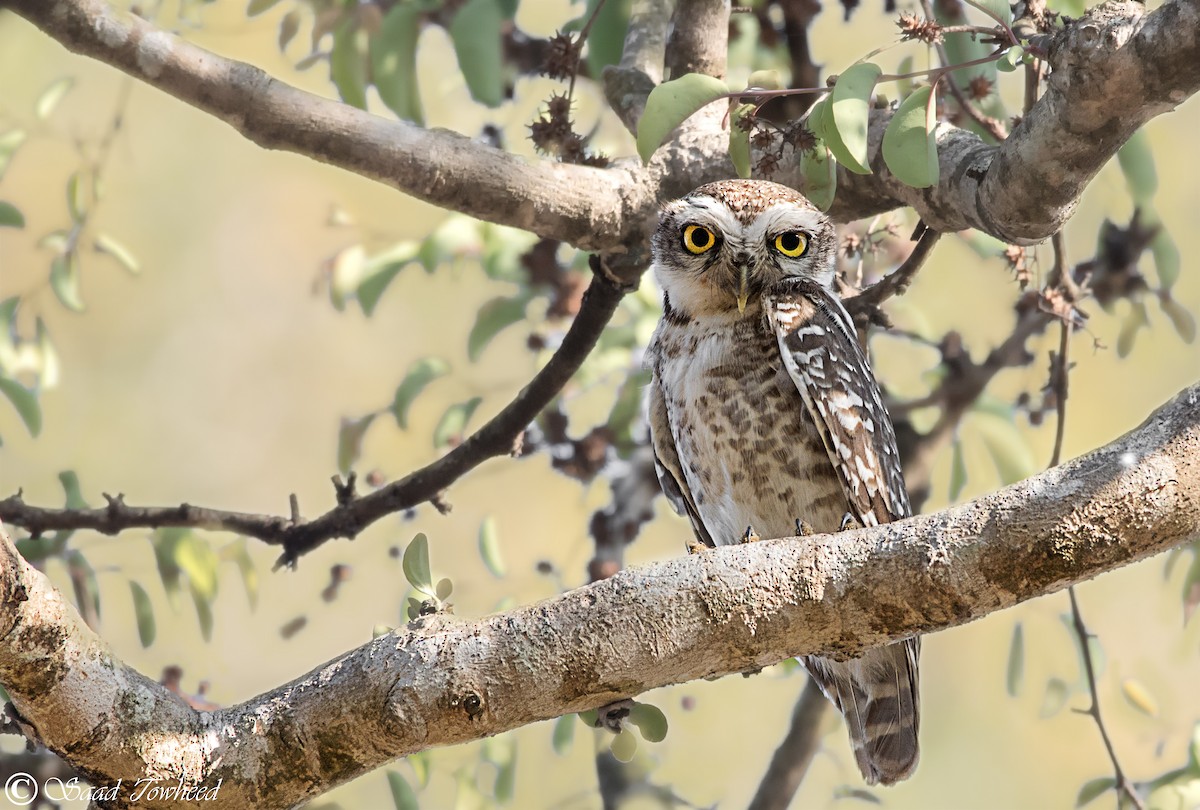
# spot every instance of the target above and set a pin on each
(765, 418)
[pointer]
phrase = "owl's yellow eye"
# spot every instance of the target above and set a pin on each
(791, 243)
(698, 239)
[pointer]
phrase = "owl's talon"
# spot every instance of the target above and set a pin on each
(804, 528)
(848, 522)
(613, 715)
(750, 536)
(696, 547)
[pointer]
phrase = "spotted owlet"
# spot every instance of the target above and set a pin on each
(764, 414)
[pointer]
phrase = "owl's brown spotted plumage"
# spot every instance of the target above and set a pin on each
(764, 412)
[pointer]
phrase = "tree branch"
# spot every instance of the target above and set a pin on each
(353, 514)
(790, 762)
(443, 680)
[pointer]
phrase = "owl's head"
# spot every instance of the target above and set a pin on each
(718, 248)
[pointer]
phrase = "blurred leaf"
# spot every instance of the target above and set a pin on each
(26, 403)
(76, 202)
(650, 720)
(1007, 446)
(1133, 322)
(564, 734)
(1139, 697)
(475, 32)
(9, 142)
(64, 280)
(1181, 319)
(44, 107)
(414, 608)
(588, 718)
(350, 439)
(380, 630)
(144, 611)
(820, 177)
(10, 217)
(489, 547)
(1166, 258)
(419, 762)
(1011, 59)
(1137, 164)
(403, 796)
(670, 104)
(420, 374)
(468, 796)
(850, 109)
(999, 8)
(1194, 750)
(237, 553)
(765, 80)
(288, 28)
(1054, 698)
(1095, 650)
(83, 577)
(506, 778)
(627, 408)
(1016, 662)
(345, 274)
(257, 7)
(443, 589)
(1191, 587)
(394, 62)
(1181, 792)
(348, 63)
(909, 145)
(862, 794)
(624, 746)
(111, 247)
(958, 471)
(739, 140)
(494, 317)
(70, 484)
(196, 559)
(454, 421)
(203, 613)
(416, 565)
(904, 87)
(456, 235)
(1094, 788)
(606, 39)
(986, 245)
(164, 542)
(380, 269)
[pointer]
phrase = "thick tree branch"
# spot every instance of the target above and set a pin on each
(443, 680)
(353, 514)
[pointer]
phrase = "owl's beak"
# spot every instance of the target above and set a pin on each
(743, 288)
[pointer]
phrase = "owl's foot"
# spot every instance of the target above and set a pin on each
(750, 536)
(804, 528)
(848, 522)
(614, 714)
(696, 547)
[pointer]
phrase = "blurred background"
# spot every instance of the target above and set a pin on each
(220, 372)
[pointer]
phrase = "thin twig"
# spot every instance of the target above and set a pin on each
(791, 759)
(989, 124)
(864, 307)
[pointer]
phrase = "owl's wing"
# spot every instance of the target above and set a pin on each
(667, 465)
(820, 350)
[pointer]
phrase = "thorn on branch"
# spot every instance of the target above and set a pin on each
(345, 493)
(294, 505)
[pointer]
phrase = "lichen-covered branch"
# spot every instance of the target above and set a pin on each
(444, 680)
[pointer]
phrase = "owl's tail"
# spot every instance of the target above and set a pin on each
(878, 696)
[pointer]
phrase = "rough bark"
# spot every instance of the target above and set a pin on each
(444, 680)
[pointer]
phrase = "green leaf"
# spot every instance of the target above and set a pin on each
(606, 39)
(850, 111)
(958, 471)
(416, 565)
(420, 374)
(257, 7)
(378, 271)
(1137, 164)
(904, 86)
(240, 556)
(1054, 698)
(624, 746)
(403, 796)
(111, 247)
(43, 108)
(564, 734)
(1015, 672)
(394, 62)
(494, 317)
(820, 177)
(164, 541)
(83, 576)
(1181, 319)
(10, 217)
(506, 777)
(1166, 258)
(1011, 59)
(348, 63)
(489, 547)
(588, 718)
(764, 80)
(144, 611)
(26, 403)
(76, 201)
(670, 104)
(1133, 322)
(1139, 697)
(70, 484)
(739, 140)
(1007, 446)
(9, 142)
(909, 143)
(204, 613)
(650, 720)
(1094, 788)
(350, 439)
(195, 558)
(64, 280)
(453, 423)
(475, 32)
(345, 274)
(443, 589)
(419, 762)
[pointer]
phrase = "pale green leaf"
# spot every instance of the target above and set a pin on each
(419, 762)
(394, 62)
(70, 484)
(44, 107)
(1183, 321)
(764, 80)
(850, 111)
(345, 274)
(10, 216)
(475, 32)
(506, 777)
(494, 317)
(403, 797)
(443, 589)
(1015, 672)
(65, 281)
(670, 104)
(1194, 750)
(257, 7)
(564, 734)
(1011, 59)
(350, 439)
(420, 374)
(650, 721)
(144, 611)
(348, 63)
(1166, 258)
(76, 197)
(204, 613)
(1093, 789)
(1130, 326)
(26, 403)
(909, 143)
(9, 142)
(111, 247)
(196, 559)
(416, 565)
(379, 270)
(1139, 697)
(1054, 698)
(454, 421)
(240, 556)
(164, 541)
(1007, 446)
(624, 746)
(489, 547)
(739, 140)
(820, 177)
(606, 39)
(1137, 164)
(588, 718)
